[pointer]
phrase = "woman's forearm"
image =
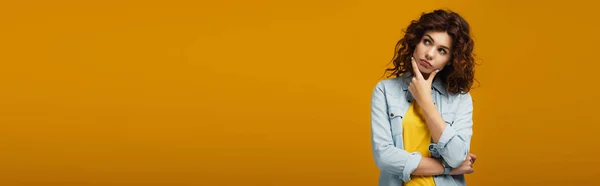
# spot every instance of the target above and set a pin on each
(433, 118)
(429, 167)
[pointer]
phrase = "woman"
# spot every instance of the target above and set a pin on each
(421, 120)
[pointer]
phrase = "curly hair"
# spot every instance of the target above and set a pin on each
(458, 76)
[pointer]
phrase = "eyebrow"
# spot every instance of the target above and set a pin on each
(447, 48)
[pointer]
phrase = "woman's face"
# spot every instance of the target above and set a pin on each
(433, 51)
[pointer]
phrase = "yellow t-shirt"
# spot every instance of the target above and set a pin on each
(417, 139)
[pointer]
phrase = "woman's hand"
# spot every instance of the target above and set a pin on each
(466, 167)
(420, 88)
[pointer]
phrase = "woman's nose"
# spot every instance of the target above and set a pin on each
(430, 53)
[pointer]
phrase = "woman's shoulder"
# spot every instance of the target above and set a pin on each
(394, 81)
(390, 86)
(390, 83)
(459, 97)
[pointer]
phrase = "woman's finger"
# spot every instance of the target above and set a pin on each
(416, 69)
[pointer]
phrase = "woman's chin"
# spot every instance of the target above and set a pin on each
(425, 72)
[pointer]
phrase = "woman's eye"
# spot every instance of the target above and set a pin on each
(426, 42)
(442, 51)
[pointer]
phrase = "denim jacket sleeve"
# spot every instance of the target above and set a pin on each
(387, 156)
(453, 145)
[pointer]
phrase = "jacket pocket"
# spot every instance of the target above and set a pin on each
(396, 116)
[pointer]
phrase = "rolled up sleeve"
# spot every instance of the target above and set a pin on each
(454, 143)
(388, 157)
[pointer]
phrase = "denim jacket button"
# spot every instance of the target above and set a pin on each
(392, 114)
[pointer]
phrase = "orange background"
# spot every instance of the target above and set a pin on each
(277, 92)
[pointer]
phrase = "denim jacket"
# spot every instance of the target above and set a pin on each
(390, 101)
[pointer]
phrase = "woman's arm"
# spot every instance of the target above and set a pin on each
(433, 118)
(429, 167)
(451, 142)
(388, 157)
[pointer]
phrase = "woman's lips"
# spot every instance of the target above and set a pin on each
(425, 63)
